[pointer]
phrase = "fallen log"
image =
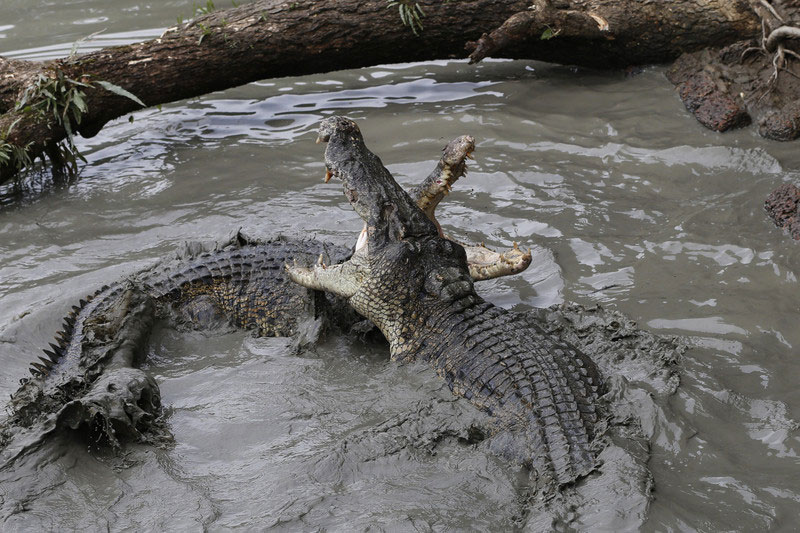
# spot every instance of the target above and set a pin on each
(44, 104)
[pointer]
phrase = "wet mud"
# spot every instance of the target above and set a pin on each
(742, 83)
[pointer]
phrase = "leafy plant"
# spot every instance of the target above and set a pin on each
(11, 155)
(54, 93)
(410, 14)
(203, 9)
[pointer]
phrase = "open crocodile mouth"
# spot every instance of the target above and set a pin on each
(483, 262)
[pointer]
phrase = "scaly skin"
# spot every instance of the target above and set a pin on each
(415, 286)
(244, 285)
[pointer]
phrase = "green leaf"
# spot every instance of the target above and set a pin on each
(76, 82)
(116, 89)
(80, 103)
(547, 34)
(68, 127)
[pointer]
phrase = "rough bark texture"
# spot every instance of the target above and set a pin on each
(272, 38)
(614, 33)
(269, 38)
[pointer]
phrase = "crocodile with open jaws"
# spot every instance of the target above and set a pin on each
(415, 286)
(90, 375)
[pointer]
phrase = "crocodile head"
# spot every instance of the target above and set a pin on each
(403, 271)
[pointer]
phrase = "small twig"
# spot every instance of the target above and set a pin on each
(771, 10)
(751, 50)
(791, 53)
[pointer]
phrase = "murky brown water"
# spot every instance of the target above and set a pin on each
(625, 198)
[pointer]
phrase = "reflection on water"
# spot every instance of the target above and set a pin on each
(625, 200)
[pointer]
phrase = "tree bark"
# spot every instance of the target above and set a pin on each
(272, 38)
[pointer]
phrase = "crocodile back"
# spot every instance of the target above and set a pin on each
(541, 392)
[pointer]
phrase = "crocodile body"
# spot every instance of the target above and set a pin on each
(244, 284)
(90, 375)
(415, 286)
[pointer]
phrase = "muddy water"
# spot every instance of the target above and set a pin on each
(626, 201)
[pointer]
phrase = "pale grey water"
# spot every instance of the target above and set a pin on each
(625, 199)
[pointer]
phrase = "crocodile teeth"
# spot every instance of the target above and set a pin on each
(321, 263)
(47, 362)
(35, 373)
(76, 309)
(52, 355)
(83, 303)
(328, 175)
(57, 349)
(70, 321)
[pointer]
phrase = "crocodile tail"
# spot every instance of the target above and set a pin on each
(63, 337)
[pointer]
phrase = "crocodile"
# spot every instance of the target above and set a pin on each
(89, 376)
(541, 393)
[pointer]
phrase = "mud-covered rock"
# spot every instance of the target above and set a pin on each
(783, 207)
(711, 105)
(782, 125)
(731, 86)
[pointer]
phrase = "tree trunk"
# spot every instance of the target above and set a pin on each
(270, 38)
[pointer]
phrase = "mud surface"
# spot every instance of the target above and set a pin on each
(739, 84)
(625, 199)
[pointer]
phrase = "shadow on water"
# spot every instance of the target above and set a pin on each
(33, 185)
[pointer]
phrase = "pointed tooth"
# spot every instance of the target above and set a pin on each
(70, 321)
(47, 362)
(83, 303)
(328, 175)
(75, 309)
(35, 373)
(52, 355)
(57, 349)
(90, 298)
(516, 246)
